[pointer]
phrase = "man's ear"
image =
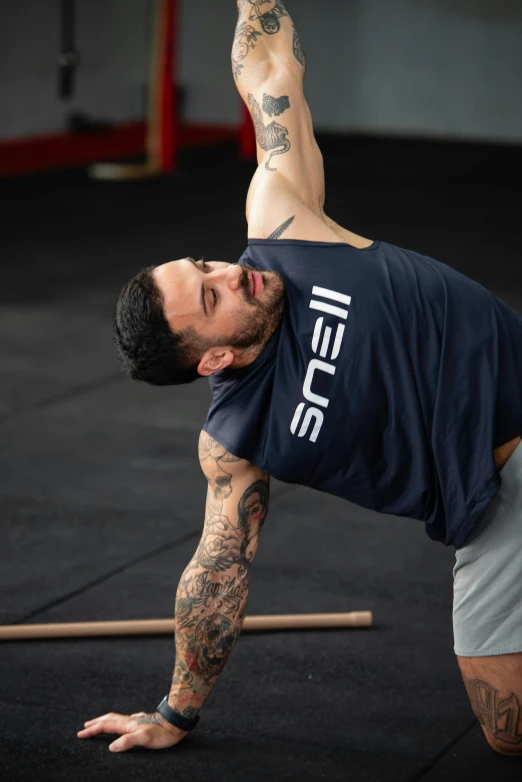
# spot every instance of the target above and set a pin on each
(214, 360)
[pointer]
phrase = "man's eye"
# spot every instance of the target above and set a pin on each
(204, 266)
(215, 296)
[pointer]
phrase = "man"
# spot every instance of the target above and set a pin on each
(347, 365)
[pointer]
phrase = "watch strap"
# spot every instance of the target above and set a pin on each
(174, 717)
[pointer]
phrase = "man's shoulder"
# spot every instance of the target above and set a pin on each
(276, 210)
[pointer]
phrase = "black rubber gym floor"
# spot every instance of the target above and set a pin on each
(102, 497)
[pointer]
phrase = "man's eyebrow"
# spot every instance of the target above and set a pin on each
(203, 302)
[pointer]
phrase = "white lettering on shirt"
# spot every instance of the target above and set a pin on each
(323, 346)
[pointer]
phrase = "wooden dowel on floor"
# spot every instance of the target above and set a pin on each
(166, 626)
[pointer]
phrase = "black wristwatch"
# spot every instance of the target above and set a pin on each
(174, 717)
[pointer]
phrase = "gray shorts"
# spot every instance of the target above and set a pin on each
(487, 577)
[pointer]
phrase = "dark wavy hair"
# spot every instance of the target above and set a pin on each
(148, 348)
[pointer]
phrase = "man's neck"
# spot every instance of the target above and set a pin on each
(249, 355)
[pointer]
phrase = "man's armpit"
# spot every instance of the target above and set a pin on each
(282, 228)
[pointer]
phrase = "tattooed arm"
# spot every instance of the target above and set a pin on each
(212, 595)
(211, 599)
(265, 35)
(268, 64)
(287, 194)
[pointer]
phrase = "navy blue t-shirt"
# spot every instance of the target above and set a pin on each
(389, 382)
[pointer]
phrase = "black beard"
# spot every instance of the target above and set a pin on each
(257, 325)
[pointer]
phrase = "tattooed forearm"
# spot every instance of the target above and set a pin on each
(282, 228)
(499, 716)
(213, 591)
(209, 614)
(266, 12)
(257, 20)
(272, 137)
(245, 39)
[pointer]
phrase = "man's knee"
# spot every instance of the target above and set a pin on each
(511, 751)
(494, 687)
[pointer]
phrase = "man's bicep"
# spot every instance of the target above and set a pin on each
(284, 133)
(236, 508)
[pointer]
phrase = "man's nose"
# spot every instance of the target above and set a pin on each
(230, 276)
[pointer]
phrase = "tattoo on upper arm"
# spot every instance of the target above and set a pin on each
(275, 106)
(223, 544)
(207, 446)
(298, 50)
(214, 455)
(282, 228)
(270, 137)
(500, 716)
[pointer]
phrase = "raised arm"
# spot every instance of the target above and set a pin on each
(211, 600)
(268, 64)
(287, 194)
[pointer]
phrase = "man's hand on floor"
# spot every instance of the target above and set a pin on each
(137, 730)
